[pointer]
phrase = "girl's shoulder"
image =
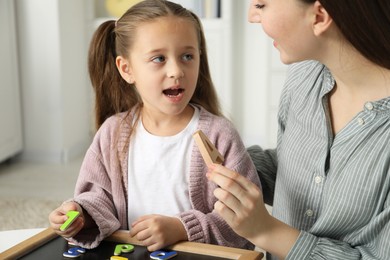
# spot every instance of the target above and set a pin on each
(117, 119)
(116, 124)
(205, 117)
(216, 126)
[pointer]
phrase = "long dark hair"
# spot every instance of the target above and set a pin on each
(112, 39)
(365, 24)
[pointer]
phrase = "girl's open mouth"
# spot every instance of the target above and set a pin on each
(173, 92)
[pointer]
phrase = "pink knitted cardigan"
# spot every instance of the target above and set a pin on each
(101, 188)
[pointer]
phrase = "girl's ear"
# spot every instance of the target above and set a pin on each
(322, 19)
(124, 69)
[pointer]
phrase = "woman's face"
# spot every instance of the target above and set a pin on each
(289, 24)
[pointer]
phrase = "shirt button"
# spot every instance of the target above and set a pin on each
(318, 179)
(309, 213)
(369, 105)
(360, 121)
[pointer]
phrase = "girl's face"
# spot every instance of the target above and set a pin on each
(163, 64)
(289, 24)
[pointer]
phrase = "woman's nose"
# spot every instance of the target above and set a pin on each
(253, 14)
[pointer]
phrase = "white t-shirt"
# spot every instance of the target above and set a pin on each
(158, 172)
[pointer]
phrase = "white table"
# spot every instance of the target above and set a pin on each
(11, 238)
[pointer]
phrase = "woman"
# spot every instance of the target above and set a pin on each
(328, 180)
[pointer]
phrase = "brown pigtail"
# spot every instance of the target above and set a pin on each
(112, 93)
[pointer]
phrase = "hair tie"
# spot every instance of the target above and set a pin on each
(116, 23)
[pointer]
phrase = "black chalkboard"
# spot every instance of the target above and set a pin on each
(48, 245)
(54, 249)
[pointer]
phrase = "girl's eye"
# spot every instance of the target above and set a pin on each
(259, 6)
(188, 57)
(158, 59)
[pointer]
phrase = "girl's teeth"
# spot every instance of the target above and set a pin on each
(172, 92)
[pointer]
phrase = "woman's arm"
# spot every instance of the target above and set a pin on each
(266, 166)
(240, 203)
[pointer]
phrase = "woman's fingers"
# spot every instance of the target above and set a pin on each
(223, 210)
(228, 200)
(230, 176)
(236, 184)
(239, 202)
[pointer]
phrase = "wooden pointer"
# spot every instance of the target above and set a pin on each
(209, 153)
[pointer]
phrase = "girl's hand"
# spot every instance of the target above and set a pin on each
(58, 216)
(240, 202)
(157, 231)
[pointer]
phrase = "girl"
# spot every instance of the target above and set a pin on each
(329, 178)
(143, 172)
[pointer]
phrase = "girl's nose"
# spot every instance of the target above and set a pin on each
(175, 71)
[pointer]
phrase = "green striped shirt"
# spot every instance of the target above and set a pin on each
(335, 189)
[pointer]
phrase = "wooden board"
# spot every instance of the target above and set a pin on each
(48, 245)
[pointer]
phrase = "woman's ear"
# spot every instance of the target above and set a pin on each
(322, 19)
(124, 69)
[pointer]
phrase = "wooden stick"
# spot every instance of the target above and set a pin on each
(209, 153)
(196, 248)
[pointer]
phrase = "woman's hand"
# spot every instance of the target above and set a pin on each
(157, 231)
(240, 203)
(58, 216)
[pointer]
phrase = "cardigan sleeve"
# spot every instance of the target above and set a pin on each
(98, 182)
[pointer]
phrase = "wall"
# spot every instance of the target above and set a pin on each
(54, 84)
(258, 79)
